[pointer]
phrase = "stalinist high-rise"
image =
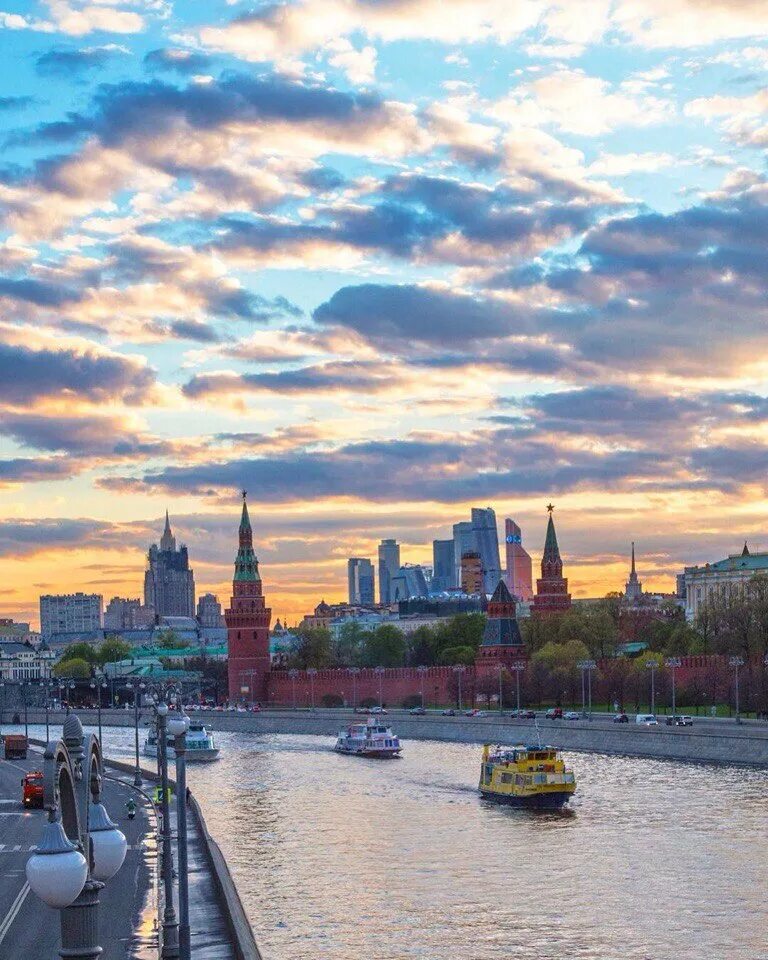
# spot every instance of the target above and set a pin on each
(169, 584)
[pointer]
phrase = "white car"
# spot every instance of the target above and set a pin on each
(646, 720)
(572, 715)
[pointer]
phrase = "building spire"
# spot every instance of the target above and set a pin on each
(246, 564)
(745, 551)
(167, 541)
(551, 549)
(633, 572)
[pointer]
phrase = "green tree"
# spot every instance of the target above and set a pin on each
(384, 647)
(74, 667)
(561, 661)
(453, 655)
(80, 651)
(346, 650)
(422, 643)
(169, 640)
(114, 649)
(463, 630)
(313, 648)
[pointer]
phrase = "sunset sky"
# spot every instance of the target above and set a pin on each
(378, 261)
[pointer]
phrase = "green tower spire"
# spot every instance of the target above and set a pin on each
(246, 564)
(551, 549)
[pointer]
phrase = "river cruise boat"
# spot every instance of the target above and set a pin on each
(522, 776)
(200, 744)
(369, 739)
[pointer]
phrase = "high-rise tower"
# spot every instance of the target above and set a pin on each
(247, 620)
(633, 589)
(486, 537)
(389, 564)
(518, 575)
(169, 584)
(552, 589)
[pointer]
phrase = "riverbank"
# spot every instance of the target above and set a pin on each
(707, 741)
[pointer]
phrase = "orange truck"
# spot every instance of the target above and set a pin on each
(32, 789)
(15, 746)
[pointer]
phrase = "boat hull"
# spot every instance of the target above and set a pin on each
(383, 754)
(193, 756)
(537, 801)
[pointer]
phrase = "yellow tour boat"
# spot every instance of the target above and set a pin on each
(526, 777)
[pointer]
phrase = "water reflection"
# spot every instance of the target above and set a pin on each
(339, 858)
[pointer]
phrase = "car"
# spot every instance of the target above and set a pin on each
(377, 710)
(572, 715)
(449, 713)
(524, 714)
(621, 718)
(32, 789)
(678, 721)
(686, 721)
(256, 708)
(646, 720)
(417, 711)
(475, 713)
(554, 713)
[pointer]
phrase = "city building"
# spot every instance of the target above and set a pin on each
(410, 581)
(439, 607)
(127, 614)
(247, 620)
(443, 566)
(389, 564)
(169, 584)
(552, 595)
(324, 613)
(502, 643)
(209, 613)
(703, 582)
(633, 589)
(486, 537)
(472, 573)
(70, 613)
(360, 580)
(519, 568)
(463, 542)
(10, 628)
(21, 661)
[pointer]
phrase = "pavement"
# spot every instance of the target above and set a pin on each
(29, 930)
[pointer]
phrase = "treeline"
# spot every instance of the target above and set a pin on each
(735, 621)
(79, 660)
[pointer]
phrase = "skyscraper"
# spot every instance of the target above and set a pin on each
(519, 573)
(463, 542)
(209, 613)
(443, 566)
(410, 582)
(633, 589)
(169, 584)
(487, 545)
(360, 580)
(552, 595)
(472, 572)
(247, 620)
(389, 564)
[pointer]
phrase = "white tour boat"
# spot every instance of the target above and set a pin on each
(200, 744)
(369, 739)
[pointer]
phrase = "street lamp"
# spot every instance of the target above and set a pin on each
(421, 670)
(586, 667)
(95, 685)
(312, 673)
(26, 717)
(652, 665)
(380, 672)
(178, 727)
(673, 663)
(354, 671)
(46, 685)
(736, 662)
(459, 670)
(518, 666)
(80, 846)
(501, 689)
(293, 674)
(170, 923)
(138, 687)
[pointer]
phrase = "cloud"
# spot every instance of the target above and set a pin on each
(175, 60)
(25, 470)
(63, 62)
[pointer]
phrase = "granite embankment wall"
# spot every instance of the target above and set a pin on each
(708, 741)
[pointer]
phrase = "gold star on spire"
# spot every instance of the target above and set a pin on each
(550, 508)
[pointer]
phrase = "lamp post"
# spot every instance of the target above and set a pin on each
(518, 666)
(46, 685)
(652, 665)
(421, 669)
(2, 708)
(170, 923)
(137, 688)
(26, 717)
(501, 689)
(586, 667)
(178, 727)
(292, 674)
(673, 663)
(736, 662)
(97, 686)
(354, 671)
(380, 672)
(80, 847)
(459, 670)
(312, 673)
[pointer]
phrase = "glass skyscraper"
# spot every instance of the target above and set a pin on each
(443, 566)
(487, 545)
(389, 564)
(360, 580)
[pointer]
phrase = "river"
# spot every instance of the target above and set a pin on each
(339, 858)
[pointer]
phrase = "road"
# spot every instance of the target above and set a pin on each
(29, 930)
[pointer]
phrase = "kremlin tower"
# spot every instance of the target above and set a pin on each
(552, 595)
(247, 622)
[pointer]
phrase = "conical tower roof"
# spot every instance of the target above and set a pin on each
(246, 564)
(745, 551)
(551, 549)
(501, 594)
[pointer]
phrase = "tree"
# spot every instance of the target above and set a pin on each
(421, 643)
(114, 649)
(346, 650)
(384, 647)
(169, 640)
(561, 660)
(74, 667)
(463, 630)
(454, 655)
(313, 648)
(80, 651)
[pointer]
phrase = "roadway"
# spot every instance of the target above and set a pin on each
(29, 930)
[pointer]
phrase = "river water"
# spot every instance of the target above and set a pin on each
(340, 858)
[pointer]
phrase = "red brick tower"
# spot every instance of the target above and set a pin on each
(552, 595)
(502, 644)
(247, 622)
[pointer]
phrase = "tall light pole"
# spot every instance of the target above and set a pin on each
(421, 669)
(170, 923)
(312, 673)
(46, 684)
(2, 707)
(354, 671)
(736, 662)
(518, 666)
(459, 670)
(652, 665)
(178, 727)
(80, 847)
(673, 663)
(26, 716)
(137, 688)
(501, 689)
(586, 667)
(380, 672)
(293, 674)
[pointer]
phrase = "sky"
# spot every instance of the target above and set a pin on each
(376, 262)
